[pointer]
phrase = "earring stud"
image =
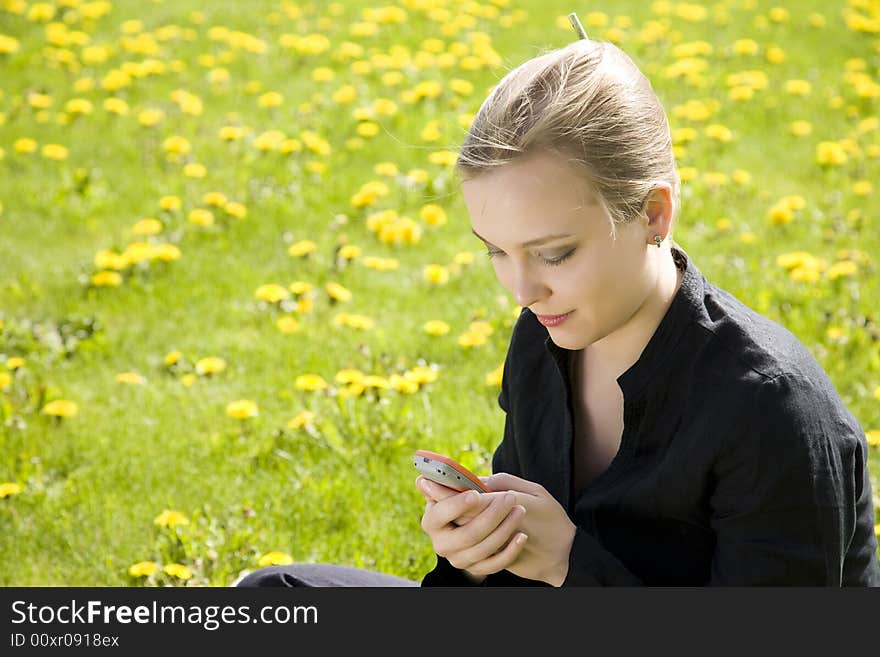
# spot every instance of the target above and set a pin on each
(657, 240)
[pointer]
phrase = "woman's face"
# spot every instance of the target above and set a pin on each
(577, 267)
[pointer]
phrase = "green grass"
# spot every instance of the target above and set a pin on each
(342, 491)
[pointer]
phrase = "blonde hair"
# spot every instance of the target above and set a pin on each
(589, 103)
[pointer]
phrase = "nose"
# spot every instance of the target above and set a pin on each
(526, 288)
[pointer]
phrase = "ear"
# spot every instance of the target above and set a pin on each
(659, 209)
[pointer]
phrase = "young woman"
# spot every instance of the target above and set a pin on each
(658, 431)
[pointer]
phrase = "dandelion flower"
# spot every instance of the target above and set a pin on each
(310, 382)
(210, 365)
(148, 226)
(106, 279)
(15, 362)
(301, 420)
(435, 327)
(337, 292)
(10, 488)
(287, 325)
(169, 518)
(275, 558)
(271, 293)
(433, 215)
(143, 568)
(436, 274)
(178, 570)
(132, 378)
(242, 409)
(60, 408)
(302, 248)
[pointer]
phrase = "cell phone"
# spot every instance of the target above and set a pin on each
(447, 472)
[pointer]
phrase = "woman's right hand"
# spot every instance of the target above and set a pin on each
(476, 532)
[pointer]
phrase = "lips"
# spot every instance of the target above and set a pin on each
(553, 320)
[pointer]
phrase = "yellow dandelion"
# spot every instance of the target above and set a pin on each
(147, 226)
(270, 99)
(800, 128)
(402, 384)
(5, 380)
(235, 209)
(350, 252)
(862, 187)
(201, 217)
(831, 153)
(287, 325)
(115, 106)
(433, 215)
(495, 377)
(275, 558)
(302, 248)
(15, 362)
(170, 518)
(310, 382)
(271, 293)
(844, 268)
(435, 274)
(189, 379)
(54, 152)
(170, 203)
(131, 378)
(471, 339)
(106, 279)
(60, 408)
(172, 358)
(195, 170)
(150, 117)
(349, 375)
(435, 327)
(143, 568)
(242, 409)
(10, 488)
(301, 420)
(337, 292)
(210, 365)
(24, 145)
(177, 570)
(873, 438)
(423, 374)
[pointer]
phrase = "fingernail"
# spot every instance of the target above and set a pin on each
(521, 539)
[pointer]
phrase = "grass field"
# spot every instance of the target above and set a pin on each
(238, 285)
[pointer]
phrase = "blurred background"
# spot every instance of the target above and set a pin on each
(238, 286)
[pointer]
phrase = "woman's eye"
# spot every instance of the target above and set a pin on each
(549, 261)
(559, 260)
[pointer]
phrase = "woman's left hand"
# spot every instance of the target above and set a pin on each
(550, 531)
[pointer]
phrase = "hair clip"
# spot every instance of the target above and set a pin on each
(576, 24)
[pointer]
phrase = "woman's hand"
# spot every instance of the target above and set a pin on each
(475, 532)
(545, 555)
(533, 514)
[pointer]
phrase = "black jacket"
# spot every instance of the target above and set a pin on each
(739, 464)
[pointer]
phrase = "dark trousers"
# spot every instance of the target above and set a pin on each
(321, 574)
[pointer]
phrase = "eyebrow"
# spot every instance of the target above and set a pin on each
(535, 242)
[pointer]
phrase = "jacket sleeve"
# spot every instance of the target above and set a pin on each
(793, 492)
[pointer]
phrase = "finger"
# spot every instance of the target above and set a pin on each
(445, 511)
(494, 542)
(503, 559)
(505, 481)
(433, 489)
(476, 530)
